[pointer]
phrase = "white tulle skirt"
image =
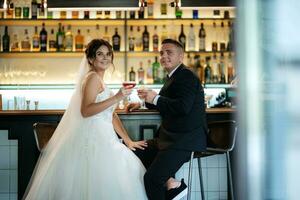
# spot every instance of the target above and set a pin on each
(90, 164)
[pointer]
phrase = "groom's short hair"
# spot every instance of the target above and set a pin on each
(175, 42)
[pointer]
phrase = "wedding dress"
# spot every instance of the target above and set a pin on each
(85, 160)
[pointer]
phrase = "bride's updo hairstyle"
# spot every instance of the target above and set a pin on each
(93, 46)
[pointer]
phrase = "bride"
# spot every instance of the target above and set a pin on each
(85, 160)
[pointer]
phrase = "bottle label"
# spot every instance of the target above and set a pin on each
(52, 44)
(35, 43)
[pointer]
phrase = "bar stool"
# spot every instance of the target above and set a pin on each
(221, 140)
(42, 133)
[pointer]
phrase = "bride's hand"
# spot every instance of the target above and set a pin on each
(123, 93)
(138, 144)
(132, 106)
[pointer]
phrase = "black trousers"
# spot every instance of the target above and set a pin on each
(160, 165)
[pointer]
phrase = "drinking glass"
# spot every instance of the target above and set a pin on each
(140, 89)
(130, 84)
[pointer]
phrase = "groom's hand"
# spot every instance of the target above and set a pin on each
(132, 106)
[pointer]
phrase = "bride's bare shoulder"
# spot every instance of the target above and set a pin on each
(92, 79)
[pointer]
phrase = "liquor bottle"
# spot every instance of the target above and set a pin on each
(106, 14)
(10, 10)
(63, 14)
(36, 40)
(198, 68)
(41, 14)
(18, 11)
(178, 11)
(99, 14)
(69, 39)
(164, 33)
(132, 75)
(163, 8)
(106, 36)
(138, 40)
(141, 74)
(182, 38)
(131, 39)
(222, 69)
(191, 39)
(149, 73)
(86, 14)
(230, 45)
(141, 12)
(15, 43)
(0, 43)
(150, 6)
(79, 39)
(25, 43)
(60, 37)
(230, 69)
(5, 40)
(132, 14)
(34, 7)
(161, 74)
(118, 14)
(43, 38)
(25, 10)
(215, 69)
(75, 14)
(155, 39)
(98, 33)
(52, 41)
(88, 37)
(155, 71)
(195, 14)
(214, 39)
(202, 35)
(222, 39)
(145, 40)
(116, 40)
(190, 64)
(207, 72)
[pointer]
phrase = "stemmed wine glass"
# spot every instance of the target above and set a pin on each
(130, 84)
(141, 89)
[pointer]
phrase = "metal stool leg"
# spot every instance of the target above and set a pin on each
(229, 176)
(189, 194)
(201, 179)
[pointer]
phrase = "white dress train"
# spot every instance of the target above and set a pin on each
(90, 164)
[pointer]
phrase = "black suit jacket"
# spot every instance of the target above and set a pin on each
(181, 106)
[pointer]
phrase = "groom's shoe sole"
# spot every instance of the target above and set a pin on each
(181, 194)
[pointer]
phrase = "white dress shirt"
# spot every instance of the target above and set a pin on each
(169, 75)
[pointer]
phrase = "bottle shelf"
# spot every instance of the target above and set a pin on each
(110, 22)
(31, 54)
(71, 86)
(47, 54)
(168, 21)
(54, 22)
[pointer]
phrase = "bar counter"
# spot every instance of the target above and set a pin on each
(141, 124)
(121, 112)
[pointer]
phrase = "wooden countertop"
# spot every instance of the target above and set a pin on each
(121, 112)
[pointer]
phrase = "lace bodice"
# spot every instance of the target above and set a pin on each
(106, 114)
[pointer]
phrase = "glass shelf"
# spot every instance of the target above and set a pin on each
(30, 54)
(112, 86)
(111, 22)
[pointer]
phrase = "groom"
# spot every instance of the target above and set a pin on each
(180, 103)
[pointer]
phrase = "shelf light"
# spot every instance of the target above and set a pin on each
(89, 5)
(3, 5)
(206, 4)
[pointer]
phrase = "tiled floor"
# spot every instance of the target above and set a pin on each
(8, 167)
(213, 169)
